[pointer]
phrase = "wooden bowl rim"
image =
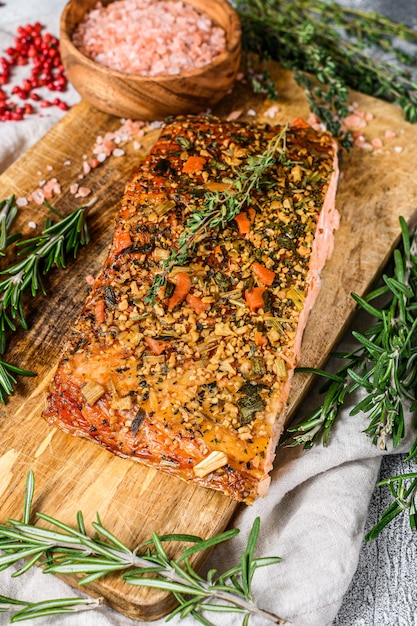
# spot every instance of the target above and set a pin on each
(232, 42)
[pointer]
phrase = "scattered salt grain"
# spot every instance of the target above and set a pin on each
(354, 121)
(73, 188)
(37, 196)
(149, 37)
(68, 162)
(83, 192)
(234, 115)
(118, 152)
(21, 202)
(398, 149)
(32, 224)
(51, 188)
(390, 134)
(377, 142)
(89, 279)
(251, 112)
(272, 111)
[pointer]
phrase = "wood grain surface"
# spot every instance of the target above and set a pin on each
(376, 187)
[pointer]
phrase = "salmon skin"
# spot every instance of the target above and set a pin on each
(196, 384)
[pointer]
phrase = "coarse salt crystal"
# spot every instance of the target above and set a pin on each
(37, 196)
(398, 149)
(22, 201)
(149, 38)
(271, 111)
(83, 192)
(377, 142)
(118, 152)
(354, 121)
(234, 115)
(32, 224)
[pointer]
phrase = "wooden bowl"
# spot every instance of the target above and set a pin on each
(152, 98)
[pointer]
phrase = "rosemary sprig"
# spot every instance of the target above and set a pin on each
(49, 249)
(219, 208)
(8, 380)
(8, 212)
(66, 550)
(384, 366)
(40, 253)
(339, 46)
(403, 489)
(34, 610)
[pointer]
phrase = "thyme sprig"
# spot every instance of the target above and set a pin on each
(67, 550)
(340, 47)
(219, 208)
(383, 366)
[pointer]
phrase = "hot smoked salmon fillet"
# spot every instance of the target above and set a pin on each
(196, 383)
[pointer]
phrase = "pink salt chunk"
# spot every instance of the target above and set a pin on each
(354, 121)
(149, 38)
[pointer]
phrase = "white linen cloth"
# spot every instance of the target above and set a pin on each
(315, 514)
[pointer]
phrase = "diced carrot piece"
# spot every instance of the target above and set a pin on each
(122, 240)
(100, 311)
(194, 164)
(260, 339)
(243, 223)
(182, 287)
(300, 122)
(265, 275)
(254, 298)
(196, 303)
(156, 345)
(216, 186)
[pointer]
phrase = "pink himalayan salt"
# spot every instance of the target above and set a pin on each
(148, 37)
(354, 121)
(377, 143)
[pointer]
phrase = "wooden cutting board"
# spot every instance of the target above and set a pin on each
(376, 187)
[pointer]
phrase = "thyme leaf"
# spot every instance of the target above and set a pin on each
(67, 550)
(219, 208)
